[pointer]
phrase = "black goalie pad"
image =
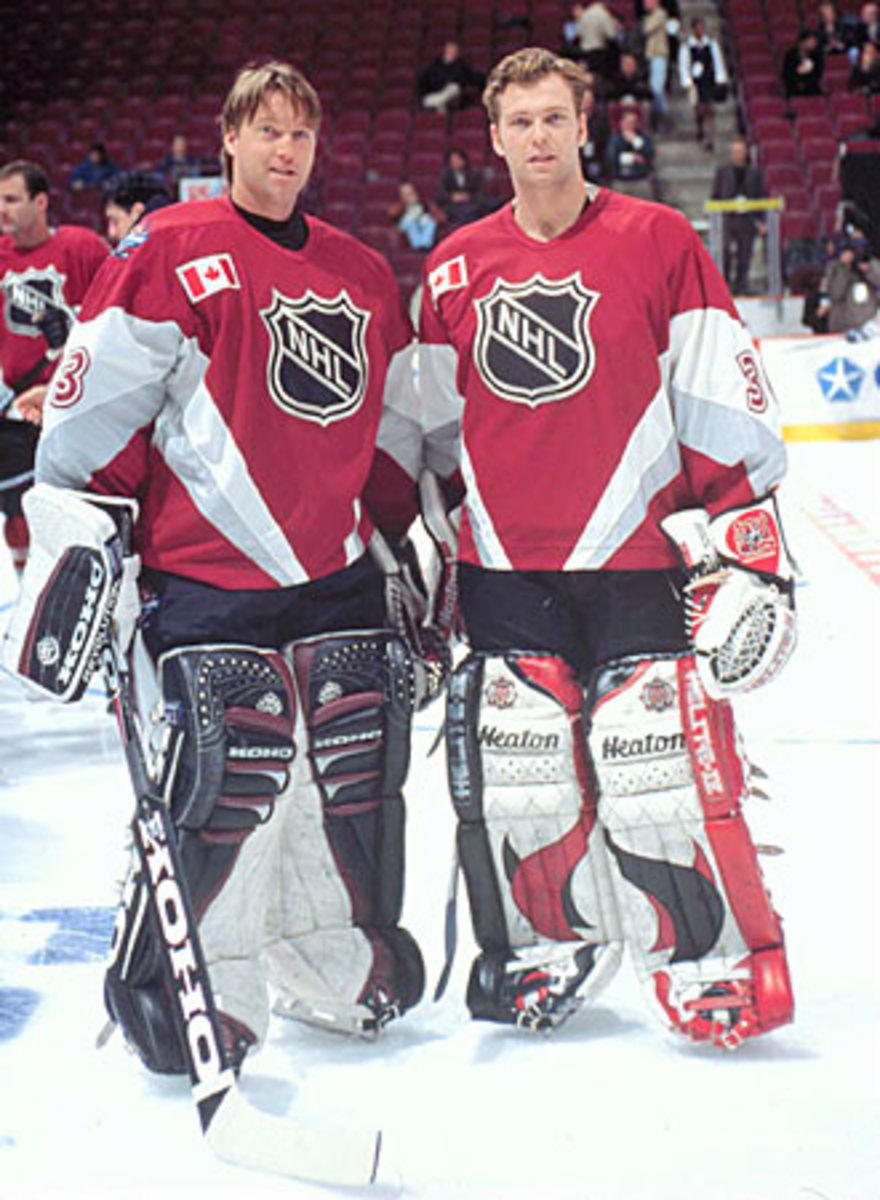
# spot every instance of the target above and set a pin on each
(230, 711)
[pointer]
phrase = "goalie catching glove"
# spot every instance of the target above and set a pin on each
(79, 588)
(739, 608)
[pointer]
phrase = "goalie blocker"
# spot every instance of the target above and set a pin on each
(78, 588)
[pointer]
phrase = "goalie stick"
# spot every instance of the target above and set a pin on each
(236, 1131)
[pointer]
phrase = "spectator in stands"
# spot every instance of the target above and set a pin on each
(865, 75)
(852, 285)
(449, 81)
(630, 80)
(868, 26)
(177, 164)
(96, 170)
(598, 33)
(461, 194)
(416, 221)
(130, 197)
(703, 77)
(571, 38)
(803, 65)
(631, 156)
(739, 180)
(831, 29)
(653, 27)
(594, 152)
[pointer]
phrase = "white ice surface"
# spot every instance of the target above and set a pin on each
(610, 1107)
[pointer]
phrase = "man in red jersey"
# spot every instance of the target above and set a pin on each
(622, 572)
(44, 273)
(229, 372)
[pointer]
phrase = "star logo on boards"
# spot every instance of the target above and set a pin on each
(840, 379)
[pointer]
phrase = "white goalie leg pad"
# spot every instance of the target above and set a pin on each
(336, 951)
(80, 574)
(541, 898)
(317, 958)
(704, 938)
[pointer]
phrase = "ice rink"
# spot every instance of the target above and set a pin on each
(610, 1107)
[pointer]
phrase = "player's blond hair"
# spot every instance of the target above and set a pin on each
(531, 65)
(253, 84)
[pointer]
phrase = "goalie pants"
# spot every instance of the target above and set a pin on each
(290, 811)
(598, 791)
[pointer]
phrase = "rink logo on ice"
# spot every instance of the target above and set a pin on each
(533, 343)
(317, 367)
(840, 380)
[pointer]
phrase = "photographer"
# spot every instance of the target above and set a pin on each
(852, 286)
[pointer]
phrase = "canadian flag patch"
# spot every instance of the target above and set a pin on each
(447, 277)
(206, 276)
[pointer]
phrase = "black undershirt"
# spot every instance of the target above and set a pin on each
(291, 234)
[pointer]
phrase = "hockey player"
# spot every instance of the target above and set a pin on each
(130, 197)
(622, 571)
(44, 273)
(228, 373)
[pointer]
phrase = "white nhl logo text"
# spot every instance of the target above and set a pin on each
(533, 342)
(317, 366)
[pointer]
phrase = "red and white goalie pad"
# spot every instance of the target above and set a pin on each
(738, 601)
(705, 940)
(78, 589)
(534, 860)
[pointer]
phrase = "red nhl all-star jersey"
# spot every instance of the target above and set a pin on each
(55, 273)
(597, 382)
(235, 388)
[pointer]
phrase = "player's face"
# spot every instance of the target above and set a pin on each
(539, 133)
(272, 158)
(121, 220)
(22, 217)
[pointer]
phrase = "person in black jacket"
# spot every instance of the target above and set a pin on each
(735, 180)
(803, 65)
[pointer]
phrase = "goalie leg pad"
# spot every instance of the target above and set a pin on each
(537, 875)
(69, 590)
(705, 940)
(230, 714)
(338, 954)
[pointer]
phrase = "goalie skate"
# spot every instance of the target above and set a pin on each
(539, 988)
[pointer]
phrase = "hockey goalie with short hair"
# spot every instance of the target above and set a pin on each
(622, 574)
(221, 398)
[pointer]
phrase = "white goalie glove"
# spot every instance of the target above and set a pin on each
(739, 609)
(79, 588)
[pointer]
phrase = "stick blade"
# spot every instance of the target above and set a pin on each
(245, 1136)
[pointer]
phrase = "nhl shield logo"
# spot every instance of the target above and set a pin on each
(26, 296)
(317, 366)
(533, 341)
